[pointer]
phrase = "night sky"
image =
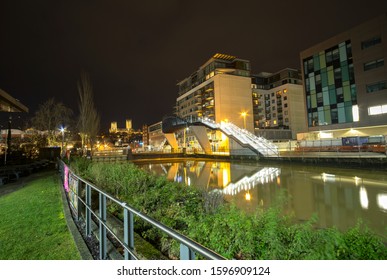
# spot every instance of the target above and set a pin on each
(136, 51)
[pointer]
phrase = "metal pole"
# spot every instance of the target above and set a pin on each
(128, 233)
(186, 253)
(102, 229)
(88, 212)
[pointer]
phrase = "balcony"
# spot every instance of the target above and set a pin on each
(198, 101)
(209, 96)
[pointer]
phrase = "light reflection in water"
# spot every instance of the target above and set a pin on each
(337, 197)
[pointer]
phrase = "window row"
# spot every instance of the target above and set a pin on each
(341, 114)
(335, 55)
(331, 96)
(377, 110)
(376, 86)
(371, 42)
(373, 64)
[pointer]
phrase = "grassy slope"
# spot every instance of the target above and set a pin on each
(32, 224)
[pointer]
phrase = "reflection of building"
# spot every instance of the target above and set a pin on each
(277, 103)
(345, 82)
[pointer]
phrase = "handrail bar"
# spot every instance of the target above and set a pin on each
(193, 245)
(108, 228)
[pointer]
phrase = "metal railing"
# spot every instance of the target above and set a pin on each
(188, 247)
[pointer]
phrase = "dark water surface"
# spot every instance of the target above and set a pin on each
(339, 196)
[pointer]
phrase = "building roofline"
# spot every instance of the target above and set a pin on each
(268, 74)
(305, 52)
(13, 102)
(217, 56)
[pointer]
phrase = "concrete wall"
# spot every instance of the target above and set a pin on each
(232, 97)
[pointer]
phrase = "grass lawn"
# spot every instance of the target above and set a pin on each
(32, 223)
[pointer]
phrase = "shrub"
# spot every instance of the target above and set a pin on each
(266, 234)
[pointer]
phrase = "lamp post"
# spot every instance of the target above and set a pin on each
(244, 114)
(62, 130)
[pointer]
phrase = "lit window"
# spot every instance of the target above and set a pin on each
(355, 113)
(285, 90)
(377, 110)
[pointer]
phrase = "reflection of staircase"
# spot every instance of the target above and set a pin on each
(161, 146)
(245, 138)
(265, 175)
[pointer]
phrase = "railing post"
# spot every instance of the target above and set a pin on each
(128, 233)
(78, 199)
(102, 229)
(186, 253)
(88, 212)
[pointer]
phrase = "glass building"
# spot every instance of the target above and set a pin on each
(330, 86)
(345, 82)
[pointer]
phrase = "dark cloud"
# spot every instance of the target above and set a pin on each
(135, 52)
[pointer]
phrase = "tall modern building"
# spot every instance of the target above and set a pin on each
(345, 83)
(219, 90)
(277, 102)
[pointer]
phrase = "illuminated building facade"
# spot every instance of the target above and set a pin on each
(220, 90)
(114, 127)
(277, 103)
(345, 83)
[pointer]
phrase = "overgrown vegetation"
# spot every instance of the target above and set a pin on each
(224, 228)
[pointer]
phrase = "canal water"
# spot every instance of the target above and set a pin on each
(338, 196)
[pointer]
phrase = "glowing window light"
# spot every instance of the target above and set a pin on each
(382, 201)
(363, 198)
(355, 113)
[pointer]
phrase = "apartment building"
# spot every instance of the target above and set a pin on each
(278, 104)
(219, 90)
(345, 83)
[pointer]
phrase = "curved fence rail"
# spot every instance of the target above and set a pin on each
(79, 194)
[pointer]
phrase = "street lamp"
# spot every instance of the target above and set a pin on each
(244, 114)
(62, 130)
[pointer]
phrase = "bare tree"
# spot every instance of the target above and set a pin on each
(89, 120)
(50, 116)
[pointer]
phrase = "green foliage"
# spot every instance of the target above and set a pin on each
(223, 227)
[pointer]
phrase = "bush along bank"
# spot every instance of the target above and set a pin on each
(221, 226)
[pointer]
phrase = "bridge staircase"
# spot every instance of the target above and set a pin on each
(245, 138)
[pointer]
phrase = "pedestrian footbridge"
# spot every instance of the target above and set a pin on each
(247, 140)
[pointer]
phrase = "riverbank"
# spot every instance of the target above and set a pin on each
(350, 159)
